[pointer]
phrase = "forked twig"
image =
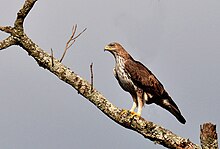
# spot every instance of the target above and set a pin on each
(71, 40)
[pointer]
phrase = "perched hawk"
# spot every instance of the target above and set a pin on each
(140, 82)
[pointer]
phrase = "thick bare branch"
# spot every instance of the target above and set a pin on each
(18, 25)
(23, 12)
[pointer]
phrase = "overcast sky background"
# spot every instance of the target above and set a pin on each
(177, 40)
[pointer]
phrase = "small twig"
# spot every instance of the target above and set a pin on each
(71, 40)
(51, 50)
(68, 44)
(80, 33)
(91, 71)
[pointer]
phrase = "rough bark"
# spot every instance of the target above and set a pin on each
(148, 129)
(208, 136)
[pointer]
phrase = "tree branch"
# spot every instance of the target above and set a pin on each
(22, 13)
(7, 29)
(208, 136)
(7, 42)
(148, 129)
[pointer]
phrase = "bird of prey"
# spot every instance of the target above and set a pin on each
(140, 82)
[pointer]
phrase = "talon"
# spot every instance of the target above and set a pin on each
(123, 111)
(134, 114)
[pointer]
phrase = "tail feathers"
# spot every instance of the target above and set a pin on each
(170, 105)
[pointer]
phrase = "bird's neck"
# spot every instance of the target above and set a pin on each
(119, 62)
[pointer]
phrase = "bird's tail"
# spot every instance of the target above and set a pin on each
(170, 105)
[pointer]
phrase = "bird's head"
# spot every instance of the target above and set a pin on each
(116, 49)
(112, 47)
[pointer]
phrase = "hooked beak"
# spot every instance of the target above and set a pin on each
(108, 48)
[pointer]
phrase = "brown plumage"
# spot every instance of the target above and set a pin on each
(140, 82)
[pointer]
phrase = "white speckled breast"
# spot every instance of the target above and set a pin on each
(122, 76)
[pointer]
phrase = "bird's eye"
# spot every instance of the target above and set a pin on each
(111, 44)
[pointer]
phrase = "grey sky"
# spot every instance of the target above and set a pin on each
(177, 40)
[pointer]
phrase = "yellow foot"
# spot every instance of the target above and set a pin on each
(123, 111)
(134, 114)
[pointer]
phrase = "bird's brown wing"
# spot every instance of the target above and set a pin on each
(143, 77)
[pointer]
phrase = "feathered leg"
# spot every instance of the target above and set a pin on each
(140, 101)
(137, 102)
(134, 106)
